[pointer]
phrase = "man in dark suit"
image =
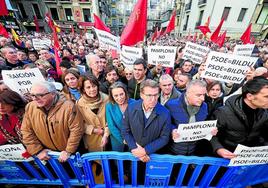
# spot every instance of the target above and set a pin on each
(146, 123)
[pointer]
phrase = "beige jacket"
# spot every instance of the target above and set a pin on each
(61, 129)
(93, 141)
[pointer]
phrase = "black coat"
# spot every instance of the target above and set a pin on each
(233, 126)
(213, 104)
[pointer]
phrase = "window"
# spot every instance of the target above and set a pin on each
(242, 14)
(186, 23)
(37, 11)
(22, 10)
(87, 17)
(69, 14)
(114, 22)
(200, 17)
(263, 17)
(225, 13)
(54, 13)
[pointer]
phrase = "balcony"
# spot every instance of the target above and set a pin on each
(202, 3)
(188, 7)
(65, 1)
(84, 1)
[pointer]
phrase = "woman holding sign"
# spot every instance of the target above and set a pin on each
(11, 114)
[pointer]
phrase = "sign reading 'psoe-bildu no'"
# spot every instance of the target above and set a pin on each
(164, 55)
(227, 67)
(196, 131)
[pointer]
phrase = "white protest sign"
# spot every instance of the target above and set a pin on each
(81, 68)
(227, 67)
(128, 56)
(244, 50)
(107, 40)
(196, 131)
(195, 52)
(89, 36)
(21, 81)
(249, 155)
(164, 55)
(13, 153)
(38, 44)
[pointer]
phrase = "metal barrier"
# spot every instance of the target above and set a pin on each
(160, 171)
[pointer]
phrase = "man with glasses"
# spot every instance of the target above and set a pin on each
(51, 123)
(146, 123)
(188, 108)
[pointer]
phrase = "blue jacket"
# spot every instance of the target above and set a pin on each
(152, 135)
(114, 121)
(179, 115)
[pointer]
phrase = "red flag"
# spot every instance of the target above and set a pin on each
(72, 29)
(162, 32)
(36, 24)
(3, 8)
(221, 39)
(204, 29)
(98, 24)
(58, 60)
(215, 34)
(135, 29)
(171, 24)
(246, 35)
(3, 31)
(49, 21)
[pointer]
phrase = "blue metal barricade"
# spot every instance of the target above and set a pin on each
(124, 170)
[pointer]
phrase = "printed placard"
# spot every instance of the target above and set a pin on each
(13, 153)
(38, 44)
(89, 36)
(249, 155)
(196, 131)
(128, 56)
(227, 67)
(21, 81)
(164, 55)
(107, 40)
(244, 50)
(195, 52)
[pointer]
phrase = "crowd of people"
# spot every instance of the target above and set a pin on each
(107, 107)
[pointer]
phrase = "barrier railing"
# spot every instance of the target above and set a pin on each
(124, 170)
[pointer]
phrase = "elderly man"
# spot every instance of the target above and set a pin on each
(95, 67)
(168, 90)
(51, 123)
(188, 108)
(243, 119)
(11, 58)
(146, 123)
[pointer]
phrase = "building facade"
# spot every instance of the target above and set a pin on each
(237, 15)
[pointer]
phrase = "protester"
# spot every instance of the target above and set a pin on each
(146, 123)
(71, 89)
(115, 109)
(11, 114)
(242, 119)
(92, 107)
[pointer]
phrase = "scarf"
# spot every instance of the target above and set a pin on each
(75, 93)
(93, 102)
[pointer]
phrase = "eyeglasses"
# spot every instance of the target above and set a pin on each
(151, 96)
(39, 95)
